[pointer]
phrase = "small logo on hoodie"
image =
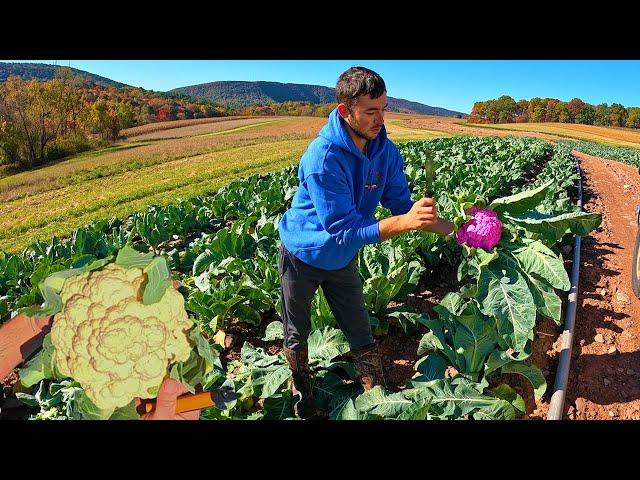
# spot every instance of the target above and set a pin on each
(373, 180)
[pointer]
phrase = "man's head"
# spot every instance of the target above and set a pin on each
(362, 100)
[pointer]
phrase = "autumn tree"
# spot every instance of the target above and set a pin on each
(504, 109)
(575, 107)
(617, 115)
(323, 110)
(522, 109)
(478, 114)
(537, 109)
(34, 114)
(109, 117)
(550, 110)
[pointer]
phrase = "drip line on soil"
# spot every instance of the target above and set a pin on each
(556, 406)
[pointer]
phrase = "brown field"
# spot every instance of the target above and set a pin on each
(159, 126)
(204, 129)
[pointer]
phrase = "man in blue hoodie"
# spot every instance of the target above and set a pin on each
(344, 174)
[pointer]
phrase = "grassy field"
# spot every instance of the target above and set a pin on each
(155, 167)
(619, 137)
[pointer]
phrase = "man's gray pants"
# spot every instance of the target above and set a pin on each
(342, 289)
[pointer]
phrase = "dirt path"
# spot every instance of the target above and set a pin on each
(604, 380)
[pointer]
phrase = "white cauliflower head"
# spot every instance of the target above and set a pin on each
(116, 347)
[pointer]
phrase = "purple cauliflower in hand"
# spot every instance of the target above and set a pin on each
(482, 231)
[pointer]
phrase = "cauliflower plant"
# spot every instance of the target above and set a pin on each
(110, 342)
(482, 231)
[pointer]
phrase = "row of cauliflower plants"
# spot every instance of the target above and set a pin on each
(225, 252)
(627, 155)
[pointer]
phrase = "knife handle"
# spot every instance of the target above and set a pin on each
(185, 403)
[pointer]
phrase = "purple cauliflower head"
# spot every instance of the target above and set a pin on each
(482, 231)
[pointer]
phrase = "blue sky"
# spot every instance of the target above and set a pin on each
(452, 84)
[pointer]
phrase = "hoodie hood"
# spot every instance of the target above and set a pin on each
(336, 132)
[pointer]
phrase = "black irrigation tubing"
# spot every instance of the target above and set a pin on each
(556, 406)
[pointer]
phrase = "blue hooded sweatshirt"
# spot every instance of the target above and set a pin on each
(331, 215)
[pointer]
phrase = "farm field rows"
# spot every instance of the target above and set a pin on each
(477, 331)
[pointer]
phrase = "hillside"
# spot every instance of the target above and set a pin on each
(42, 71)
(237, 94)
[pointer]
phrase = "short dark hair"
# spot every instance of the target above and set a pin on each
(356, 82)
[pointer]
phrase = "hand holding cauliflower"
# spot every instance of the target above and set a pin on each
(116, 347)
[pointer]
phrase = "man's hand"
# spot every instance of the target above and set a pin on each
(165, 409)
(423, 214)
(20, 337)
(441, 227)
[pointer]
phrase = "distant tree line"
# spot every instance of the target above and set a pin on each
(289, 108)
(506, 110)
(42, 121)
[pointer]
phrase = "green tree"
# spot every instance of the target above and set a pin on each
(562, 112)
(492, 112)
(601, 114)
(505, 108)
(633, 117)
(145, 114)
(587, 115)
(126, 116)
(207, 110)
